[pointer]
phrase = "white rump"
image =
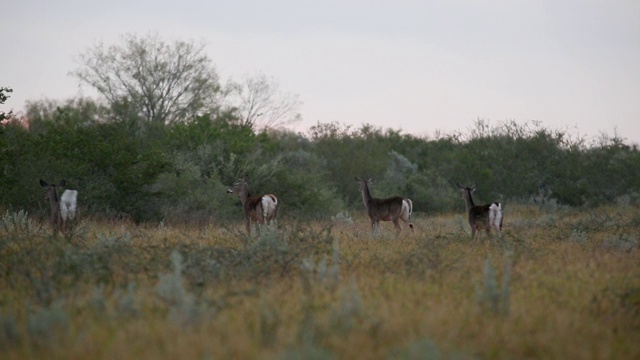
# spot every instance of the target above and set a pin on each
(269, 204)
(495, 216)
(407, 209)
(69, 204)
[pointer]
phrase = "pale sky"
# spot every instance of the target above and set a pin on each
(417, 66)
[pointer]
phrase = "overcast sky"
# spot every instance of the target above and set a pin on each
(418, 66)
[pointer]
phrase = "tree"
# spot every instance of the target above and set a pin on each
(263, 106)
(163, 83)
(3, 98)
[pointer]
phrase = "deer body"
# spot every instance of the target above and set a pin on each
(390, 209)
(481, 217)
(261, 209)
(63, 208)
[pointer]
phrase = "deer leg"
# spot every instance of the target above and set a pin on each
(58, 225)
(248, 225)
(498, 230)
(396, 223)
(260, 218)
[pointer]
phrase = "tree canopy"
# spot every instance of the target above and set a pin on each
(162, 82)
(3, 99)
(180, 171)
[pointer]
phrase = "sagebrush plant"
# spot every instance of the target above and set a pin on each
(48, 325)
(328, 290)
(419, 349)
(342, 217)
(270, 321)
(126, 302)
(493, 295)
(345, 316)
(10, 335)
(622, 242)
(170, 288)
(19, 221)
(579, 236)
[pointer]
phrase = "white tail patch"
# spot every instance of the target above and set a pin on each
(269, 205)
(495, 216)
(63, 208)
(68, 204)
(407, 210)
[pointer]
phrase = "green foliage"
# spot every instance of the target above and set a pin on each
(105, 162)
(179, 172)
(3, 99)
(307, 192)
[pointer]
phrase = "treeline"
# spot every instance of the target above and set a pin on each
(124, 167)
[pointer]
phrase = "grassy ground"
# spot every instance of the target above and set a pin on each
(559, 284)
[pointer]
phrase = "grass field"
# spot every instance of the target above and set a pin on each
(559, 284)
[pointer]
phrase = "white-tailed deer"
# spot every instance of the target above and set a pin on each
(391, 209)
(481, 217)
(260, 209)
(64, 208)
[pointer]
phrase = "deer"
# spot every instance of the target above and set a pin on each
(390, 209)
(261, 209)
(64, 208)
(481, 217)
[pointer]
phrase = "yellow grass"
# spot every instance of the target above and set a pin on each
(323, 290)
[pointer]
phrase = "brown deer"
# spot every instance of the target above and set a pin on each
(64, 208)
(391, 209)
(481, 217)
(260, 209)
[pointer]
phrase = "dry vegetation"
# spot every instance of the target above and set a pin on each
(559, 284)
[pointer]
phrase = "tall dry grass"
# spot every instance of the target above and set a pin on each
(559, 284)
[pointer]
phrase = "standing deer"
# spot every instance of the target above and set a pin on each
(481, 217)
(260, 209)
(391, 209)
(64, 208)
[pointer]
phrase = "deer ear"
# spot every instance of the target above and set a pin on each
(43, 183)
(370, 180)
(357, 179)
(246, 177)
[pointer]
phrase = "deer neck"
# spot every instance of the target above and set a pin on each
(244, 194)
(468, 200)
(53, 198)
(366, 195)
